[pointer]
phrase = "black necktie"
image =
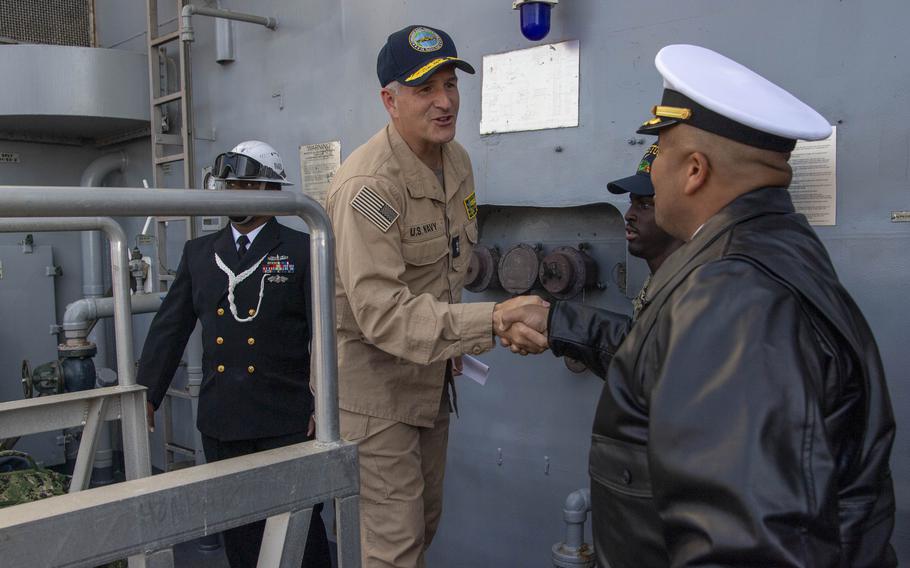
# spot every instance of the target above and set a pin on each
(243, 243)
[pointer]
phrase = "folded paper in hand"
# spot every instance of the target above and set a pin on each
(474, 369)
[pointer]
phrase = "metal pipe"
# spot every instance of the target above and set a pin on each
(70, 202)
(92, 265)
(574, 552)
(575, 512)
(93, 258)
(322, 248)
(120, 279)
(93, 283)
(81, 315)
(186, 16)
(103, 467)
(224, 41)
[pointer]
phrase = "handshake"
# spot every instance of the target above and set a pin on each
(521, 324)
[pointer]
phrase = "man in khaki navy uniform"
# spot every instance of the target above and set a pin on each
(249, 286)
(405, 220)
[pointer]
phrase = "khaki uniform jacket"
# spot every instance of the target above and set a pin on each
(402, 245)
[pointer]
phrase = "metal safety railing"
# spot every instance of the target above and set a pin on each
(90, 408)
(154, 513)
(326, 468)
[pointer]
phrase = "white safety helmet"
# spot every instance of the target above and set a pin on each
(252, 160)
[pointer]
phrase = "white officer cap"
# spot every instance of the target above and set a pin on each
(706, 90)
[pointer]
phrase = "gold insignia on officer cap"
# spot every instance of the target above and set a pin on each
(376, 209)
(709, 91)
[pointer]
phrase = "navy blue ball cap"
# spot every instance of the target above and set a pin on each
(412, 54)
(640, 183)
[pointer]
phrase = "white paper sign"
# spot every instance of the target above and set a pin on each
(814, 185)
(474, 369)
(318, 164)
(9, 157)
(530, 89)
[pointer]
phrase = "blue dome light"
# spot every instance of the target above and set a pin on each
(535, 20)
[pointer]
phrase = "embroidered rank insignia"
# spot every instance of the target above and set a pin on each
(470, 205)
(376, 209)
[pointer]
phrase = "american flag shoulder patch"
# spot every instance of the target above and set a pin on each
(376, 209)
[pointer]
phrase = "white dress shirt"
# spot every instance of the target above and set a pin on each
(251, 235)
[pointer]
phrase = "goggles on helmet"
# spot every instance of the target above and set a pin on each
(243, 167)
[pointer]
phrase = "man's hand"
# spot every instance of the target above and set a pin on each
(532, 315)
(523, 324)
(457, 366)
(518, 324)
(311, 428)
(150, 415)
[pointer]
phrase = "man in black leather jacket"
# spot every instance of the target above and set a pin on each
(745, 419)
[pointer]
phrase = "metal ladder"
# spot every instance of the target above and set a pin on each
(168, 150)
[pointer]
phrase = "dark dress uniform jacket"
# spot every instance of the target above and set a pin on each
(255, 374)
(745, 420)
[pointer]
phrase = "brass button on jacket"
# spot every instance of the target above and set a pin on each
(220, 311)
(251, 369)
(251, 341)
(219, 340)
(252, 312)
(220, 368)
